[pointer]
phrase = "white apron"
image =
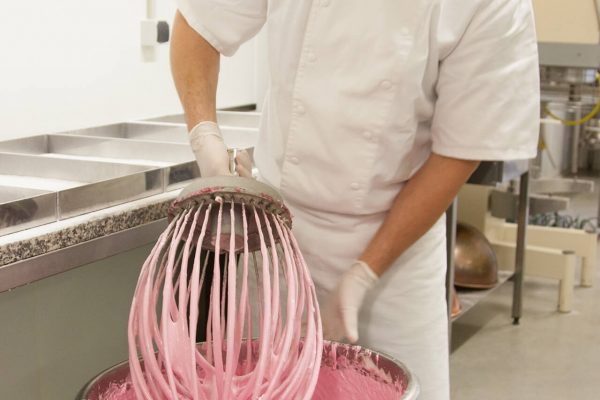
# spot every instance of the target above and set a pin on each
(360, 94)
(405, 315)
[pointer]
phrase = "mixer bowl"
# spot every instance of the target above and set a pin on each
(337, 357)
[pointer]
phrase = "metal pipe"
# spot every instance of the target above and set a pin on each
(597, 4)
(522, 223)
(575, 137)
(451, 217)
(598, 221)
(150, 9)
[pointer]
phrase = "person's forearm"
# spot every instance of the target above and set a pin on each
(417, 207)
(195, 69)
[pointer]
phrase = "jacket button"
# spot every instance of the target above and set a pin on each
(385, 85)
(355, 186)
(299, 108)
(295, 160)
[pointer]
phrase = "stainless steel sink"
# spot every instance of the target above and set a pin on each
(81, 186)
(22, 208)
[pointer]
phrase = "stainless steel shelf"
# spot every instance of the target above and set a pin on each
(522, 222)
(470, 297)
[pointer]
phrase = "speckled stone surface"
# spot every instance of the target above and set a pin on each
(92, 228)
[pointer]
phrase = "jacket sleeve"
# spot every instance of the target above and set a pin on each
(488, 87)
(225, 24)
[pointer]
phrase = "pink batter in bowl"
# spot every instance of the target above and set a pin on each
(347, 372)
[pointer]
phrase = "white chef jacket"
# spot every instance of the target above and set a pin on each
(360, 94)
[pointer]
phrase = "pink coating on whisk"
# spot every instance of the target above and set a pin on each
(284, 360)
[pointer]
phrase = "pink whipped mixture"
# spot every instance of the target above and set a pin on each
(284, 361)
(341, 377)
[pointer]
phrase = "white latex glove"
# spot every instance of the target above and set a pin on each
(210, 150)
(340, 318)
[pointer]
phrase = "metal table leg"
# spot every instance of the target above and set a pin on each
(575, 138)
(598, 220)
(523, 220)
(450, 243)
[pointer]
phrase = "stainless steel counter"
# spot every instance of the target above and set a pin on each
(44, 251)
(73, 197)
(81, 171)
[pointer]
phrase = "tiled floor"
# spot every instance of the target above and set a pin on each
(549, 356)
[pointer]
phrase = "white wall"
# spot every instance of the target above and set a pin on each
(68, 64)
(567, 21)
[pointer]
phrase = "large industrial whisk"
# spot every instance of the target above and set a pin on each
(236, 233)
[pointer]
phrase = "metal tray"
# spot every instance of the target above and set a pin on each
(239, 138)
(101, 149)
(81, 186)
(242, 119)
(155, 132)
(176, 159)
(80, 171)
(22, 208)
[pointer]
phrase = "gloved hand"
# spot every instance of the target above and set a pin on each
(210, 150)
(340, 318)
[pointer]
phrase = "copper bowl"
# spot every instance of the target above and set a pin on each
(475, 262)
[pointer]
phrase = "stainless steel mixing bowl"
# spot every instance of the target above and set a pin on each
(345, 354)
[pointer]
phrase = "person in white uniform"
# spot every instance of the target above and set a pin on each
(377, 113)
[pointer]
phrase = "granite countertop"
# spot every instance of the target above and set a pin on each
(59, 235)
